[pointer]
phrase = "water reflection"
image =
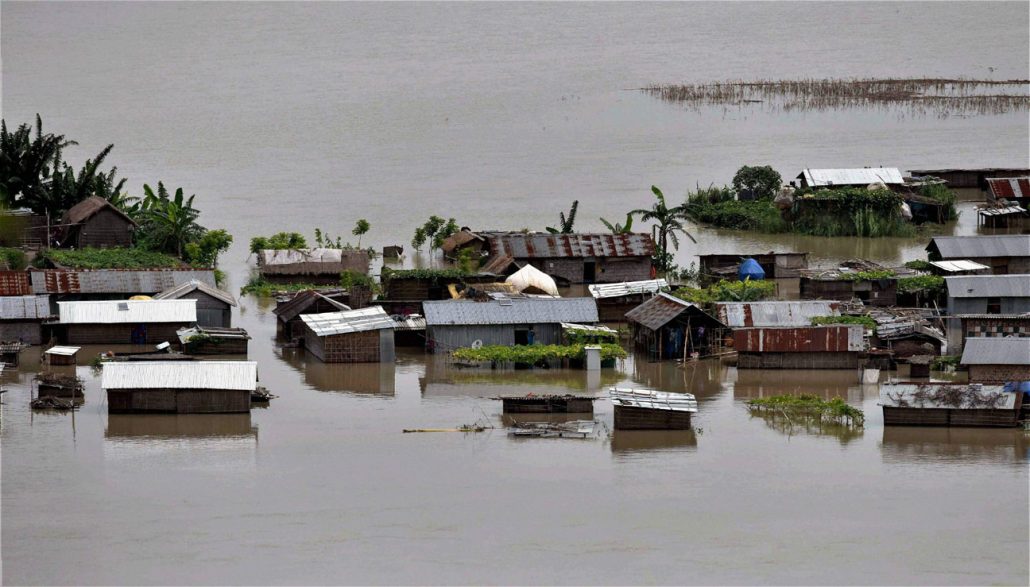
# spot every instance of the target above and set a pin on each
(823, 383)
(369, 378)
(795, 425)
(122, 426)
(628, 442)
(919, 445)
(701, 378)
(444, 379)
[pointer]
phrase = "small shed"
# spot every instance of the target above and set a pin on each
(316, 266)
(62, 355)
(354, 336)
(853, 177)
(503, 320)
(95, 222)
(988, 294)
(1004, 254)
(181, 387)
(124, 321)
(997, 360)
(615, 299)
(949, 404)
(667, 327)
(21, 318)
(288, 311)
(214, 306)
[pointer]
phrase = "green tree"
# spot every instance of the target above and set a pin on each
(566, 223)
(668, 223)
(27, 162)
(761, 181)
(279, 240)
(419, 238)
(360, 228)
(617, 228)
(205, 251)
(170, 222)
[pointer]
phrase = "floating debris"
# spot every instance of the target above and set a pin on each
(261, 395)
(546, 404)
(573, 429)
(50, 402)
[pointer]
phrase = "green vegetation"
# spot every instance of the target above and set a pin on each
(761, 181)
(668, 223)
(566, 223)
(279, 240)
(617, 228)
(204, 251)
(12, 259)
(929, 284)
(835, 410)
(350, 278)
(757, 215)
(942, 363)
(435, 231)
(849, 212)
(534, 354)
(360, 228)
(868, 275)
(728, 291)
(942, 194)
(117, 258)
(863, 320)
(919, 265)
(589, 336)
(265, 289)
(435, 275)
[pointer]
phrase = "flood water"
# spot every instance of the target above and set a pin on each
(291, 117)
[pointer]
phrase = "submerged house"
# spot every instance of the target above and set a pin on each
(667, 327)
(352, 336)
(179, 387)
(569, 258)
(21, 318)
(997, 360)
(505, 320)
(851, 281)
(775, 265)
(854, 177)
(123, 321)
(316, 266)
(963, 327)
(95, 222)
(950, 404)
(288, 312)
(988, 294)
(615, 299)
(1012, 189)
(112, 284)
(1004, 254)
(214, 306)
(773, 314)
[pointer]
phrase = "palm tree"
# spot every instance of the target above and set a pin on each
(668, 222)
(170, 222)
(26, 162)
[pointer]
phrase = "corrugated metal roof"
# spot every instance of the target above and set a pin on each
(409, 322)
(115, 281)
(24, 307)
(193, 285)
(996, 351)
(238, 375)
(653, 400)
(302, 301)
(800, 339)
(921, 395)
(363, 320)
(588, 328)
(14, 283)
(980, 247)
(312, 261)
(63, 351)
(1005, 211)
(1009, 187)
(128, 312)
(510, 311)
(658, 311)
(601, 291)
(988, 286)
(765, 314)
(540, 245)
(855, 176)
(959, 265)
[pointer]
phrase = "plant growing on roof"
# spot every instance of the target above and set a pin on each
(668, 223)
(566, 223)
(279, 240)
(617, 228)
(360, 228)
(435, 231)
(761, 181)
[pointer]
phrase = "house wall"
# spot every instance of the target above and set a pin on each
(872, 292)
(210, 311)
(608, 269)
(24, 331)
(78, 334)
(446, 338)
(979, 305)
(104, 229)
(179, 401)
(998, 373)
(797, 360)
(353, 347)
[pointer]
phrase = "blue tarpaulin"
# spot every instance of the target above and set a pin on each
(750, 269)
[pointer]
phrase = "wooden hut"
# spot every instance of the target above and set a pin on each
(647, 409)
(997, 360)
(95, 222)
(210, 340)
(667, 327)
(316, 266)
(21, 318)
(288, 310)
(124, 321)
(505, 320)
(1004, 254)
(182, 387)
(62, 355)
(950, 404)
(354, 336)
(214, 306)
(615, 299)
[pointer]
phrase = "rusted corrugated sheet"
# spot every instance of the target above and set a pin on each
(767, 314)
(569, 246)
(14, 283)
(1010, 188)
(115, 281)
(816, 339)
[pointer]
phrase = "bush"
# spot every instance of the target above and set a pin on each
(118, 258)
(728, 291)
(849, 212)
(13, 259)
(760, 215)
(865, 321)
(279, 240)
(265, 289)
(930, 284)
(919, 265)
(533, 354)
(762, 181)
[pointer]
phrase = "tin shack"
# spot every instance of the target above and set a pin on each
(800, 347)
(214, 306)
(1004, 254)
(666, 327)
(997, 360)
(123, 321)
(21, 318)
(315, 266)
(288, 310)
(353, 336)
(180, 387)
(95, 222)
(453, 324)
(615, 299)
(949, 404)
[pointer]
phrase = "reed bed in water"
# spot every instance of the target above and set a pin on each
(940, 96)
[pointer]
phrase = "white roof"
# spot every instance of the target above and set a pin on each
(530, 276)
(653, 399)
(236, 375)
(588, 328)
(365, 319)
(127, 311)
(858, 176)
(24, 307)
(615, 290)
(64, 351)
(188, 287)
(955, 266)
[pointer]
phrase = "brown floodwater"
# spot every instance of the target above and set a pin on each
(286, 117)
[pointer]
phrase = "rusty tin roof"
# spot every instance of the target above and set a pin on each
(540, 245)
